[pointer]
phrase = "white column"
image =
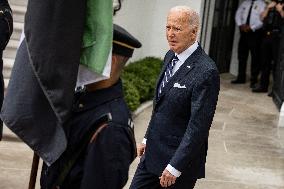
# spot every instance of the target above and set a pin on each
(281, 117)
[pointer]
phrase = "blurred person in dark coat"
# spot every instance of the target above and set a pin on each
(41, 88)
(6, 29)
(175, 145)
(41, 102)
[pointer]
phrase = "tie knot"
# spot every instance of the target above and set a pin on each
(175, 59)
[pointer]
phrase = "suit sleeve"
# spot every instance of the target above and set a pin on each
(203, 104)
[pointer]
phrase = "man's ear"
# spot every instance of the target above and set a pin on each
(194, 33)
(195, 30)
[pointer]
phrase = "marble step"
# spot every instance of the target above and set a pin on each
(7, 133)
(18, 27)
(18, 2)
(18, 13)
(11, 49)
(19, 8)
(7, 68)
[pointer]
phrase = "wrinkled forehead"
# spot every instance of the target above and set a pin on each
(178, 17)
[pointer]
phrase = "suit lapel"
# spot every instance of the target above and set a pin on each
(167, 60)
(186, 67)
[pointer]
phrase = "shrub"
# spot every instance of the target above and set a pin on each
(142, 75)
(131, 95)
(139, 84)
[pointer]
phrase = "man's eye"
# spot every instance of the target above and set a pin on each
(176, 29)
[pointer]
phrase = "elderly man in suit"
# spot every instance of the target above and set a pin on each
(184, 106)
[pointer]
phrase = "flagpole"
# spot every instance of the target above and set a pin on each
(34, 169)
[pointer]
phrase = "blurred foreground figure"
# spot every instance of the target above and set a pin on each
(85, 137)
(99, 153)
(6, 29)
(41, 88)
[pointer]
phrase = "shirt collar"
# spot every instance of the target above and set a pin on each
(186, 53)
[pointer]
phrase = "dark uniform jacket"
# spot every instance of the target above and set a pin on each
(178, 130)
(273, 22)
(104, 163)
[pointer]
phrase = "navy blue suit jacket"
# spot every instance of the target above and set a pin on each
(179, 127)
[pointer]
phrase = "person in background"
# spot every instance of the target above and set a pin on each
(6, 29)
(102, 162)
(273, 20)
(175, 145)
(249, 22)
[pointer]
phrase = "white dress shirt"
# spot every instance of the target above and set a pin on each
(243, 11)
(181, 59)
(184, 55)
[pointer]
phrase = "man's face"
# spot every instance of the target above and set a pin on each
(179, 34)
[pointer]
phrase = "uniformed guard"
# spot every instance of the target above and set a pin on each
(6, 29)
(101, 143)
(272, 23)
(249, 22)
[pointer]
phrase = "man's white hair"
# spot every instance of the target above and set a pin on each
(193, 16)
(115, 4)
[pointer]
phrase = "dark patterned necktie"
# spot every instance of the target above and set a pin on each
(249, 13)
(168, 74)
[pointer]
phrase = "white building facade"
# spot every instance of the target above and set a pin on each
(146, 20)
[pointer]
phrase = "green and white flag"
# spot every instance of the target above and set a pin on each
(95, 61)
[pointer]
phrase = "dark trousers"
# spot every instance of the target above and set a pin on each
(143, 179)
(269, 55)
(249, 42)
